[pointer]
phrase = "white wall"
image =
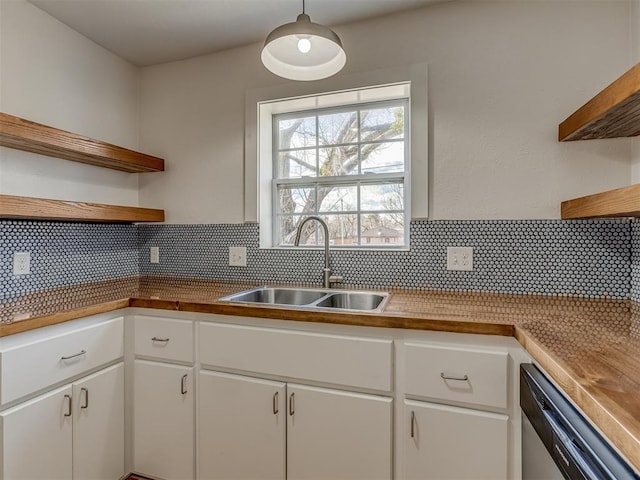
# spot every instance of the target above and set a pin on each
(53, 75)
(502, 75)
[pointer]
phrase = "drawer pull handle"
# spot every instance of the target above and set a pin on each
(68, 399)
(291, 405)
(86, 397)
(275, 403)
(413, 423)
(82, 352)
(183, 383)
(460, 379)
(156, 339)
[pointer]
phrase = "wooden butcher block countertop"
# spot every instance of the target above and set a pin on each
(590, 347)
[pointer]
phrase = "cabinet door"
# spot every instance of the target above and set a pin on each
(163, 409)
(98, 425)
(36, 438)
(241, 427)
(338, 435)
(454, 443)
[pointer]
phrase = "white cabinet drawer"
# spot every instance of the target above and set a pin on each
(458, 374)
(163, 338)
(47, 359)
(341, 360)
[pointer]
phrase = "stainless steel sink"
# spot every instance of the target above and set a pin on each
(352, 301)
(277, 296)
(312, 299)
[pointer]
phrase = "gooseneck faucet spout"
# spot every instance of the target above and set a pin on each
(327, 278)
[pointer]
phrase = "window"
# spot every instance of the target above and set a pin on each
(346, 164)
(356, 155)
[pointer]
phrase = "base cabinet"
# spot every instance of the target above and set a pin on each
(163, 431)
(454, 443)
(242, 427)
(254, 428)
(337, 434)
(76, 431)
(98, 425)
(40, 425)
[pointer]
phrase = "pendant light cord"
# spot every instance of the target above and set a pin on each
(303, 7)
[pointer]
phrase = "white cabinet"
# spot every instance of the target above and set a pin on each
(454, 443)
(76, 431)
(36, 438)
(241, 427)
(337, 434)
(163, 411)
(98, 425)
(329, 433)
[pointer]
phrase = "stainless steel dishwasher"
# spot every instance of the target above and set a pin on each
(574, 449)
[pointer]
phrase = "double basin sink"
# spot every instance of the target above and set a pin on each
(312, 298)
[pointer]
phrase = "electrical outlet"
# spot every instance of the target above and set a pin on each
(154, 255)
(459, 258)
(21, 263)
(237, 256)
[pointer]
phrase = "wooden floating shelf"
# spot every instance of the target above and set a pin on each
(621, 202)
(44, 209)
(34, 137)
(614, 112)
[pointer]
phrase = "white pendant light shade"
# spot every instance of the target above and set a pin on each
(303, 50)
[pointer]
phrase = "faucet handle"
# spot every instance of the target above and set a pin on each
(335, 279)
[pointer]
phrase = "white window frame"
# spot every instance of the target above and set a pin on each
(402, 97)
(258, 142)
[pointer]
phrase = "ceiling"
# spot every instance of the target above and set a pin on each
(147, 32)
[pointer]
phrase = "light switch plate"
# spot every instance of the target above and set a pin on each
(460, 258)
(237, 256)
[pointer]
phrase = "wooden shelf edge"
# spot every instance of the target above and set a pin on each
(21, 134)
(614, 112)
(621, 202)
(29, 208)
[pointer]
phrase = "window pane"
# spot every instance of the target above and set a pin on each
(297, 132)
(297, 164)
(296, 199)
(382, 124)
(287, 228)
(382, 157)
(382, 229)
(338, 199)
(337, 161)
(343, 229)
(338, 128)
(386, 196)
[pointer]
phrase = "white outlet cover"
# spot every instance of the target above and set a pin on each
(154, 255)
(21, 263)
(460, 258)
(237, 256)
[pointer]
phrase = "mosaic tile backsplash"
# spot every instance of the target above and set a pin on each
(64, 254)
(592, 258)
(553, 257)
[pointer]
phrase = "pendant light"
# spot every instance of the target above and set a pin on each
(303, 50)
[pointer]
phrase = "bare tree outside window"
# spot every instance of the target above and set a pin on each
(347, 165)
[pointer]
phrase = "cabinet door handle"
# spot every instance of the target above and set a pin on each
(68, 399)
(86, 397)
(158, 339)
(81, 352)
(291, 405)
(183, 384)
(413, 423)
(460, 379)
(275, 403)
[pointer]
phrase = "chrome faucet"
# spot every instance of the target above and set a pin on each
(327, 278)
